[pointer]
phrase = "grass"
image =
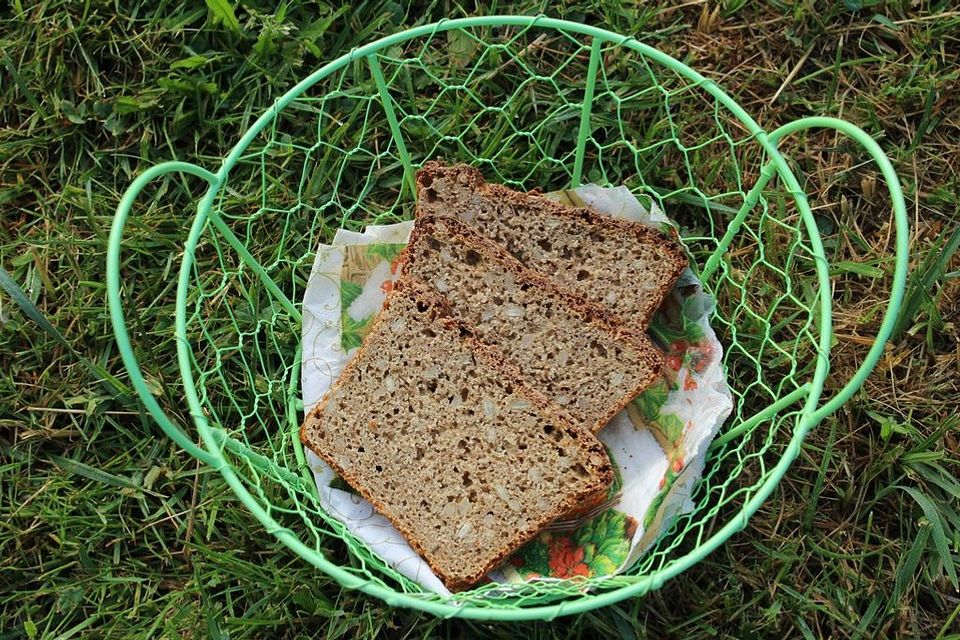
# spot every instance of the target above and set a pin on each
(107, 530)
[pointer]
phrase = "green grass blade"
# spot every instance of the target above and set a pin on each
(223, 13)
(33, 312)
(27, 94)
(948, 625)
(932, 270)
(940, 541)
(95, 474)
(907, 568)
(857, 268)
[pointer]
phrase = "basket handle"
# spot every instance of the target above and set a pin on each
(902, 252)
(174, 431)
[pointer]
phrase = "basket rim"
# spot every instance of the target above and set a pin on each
(445, 608)
(809, 416)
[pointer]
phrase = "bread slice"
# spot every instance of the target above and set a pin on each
(563, 346)
(625, 266)
(466, 461)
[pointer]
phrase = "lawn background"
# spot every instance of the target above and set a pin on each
(107, 530)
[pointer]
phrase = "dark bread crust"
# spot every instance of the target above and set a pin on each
(601, 469)
(588, 312)
(471, 180)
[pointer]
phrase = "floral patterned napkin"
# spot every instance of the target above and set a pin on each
(658, 443)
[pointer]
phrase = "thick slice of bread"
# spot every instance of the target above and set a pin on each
(625, 266)
(460, 456)
(563, 346)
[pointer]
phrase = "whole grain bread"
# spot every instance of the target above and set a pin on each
(465, 460)
(563, 346)
(627, 267)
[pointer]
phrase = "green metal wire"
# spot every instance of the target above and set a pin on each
(533, 102)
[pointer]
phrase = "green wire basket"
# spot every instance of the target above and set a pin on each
(534, 103)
